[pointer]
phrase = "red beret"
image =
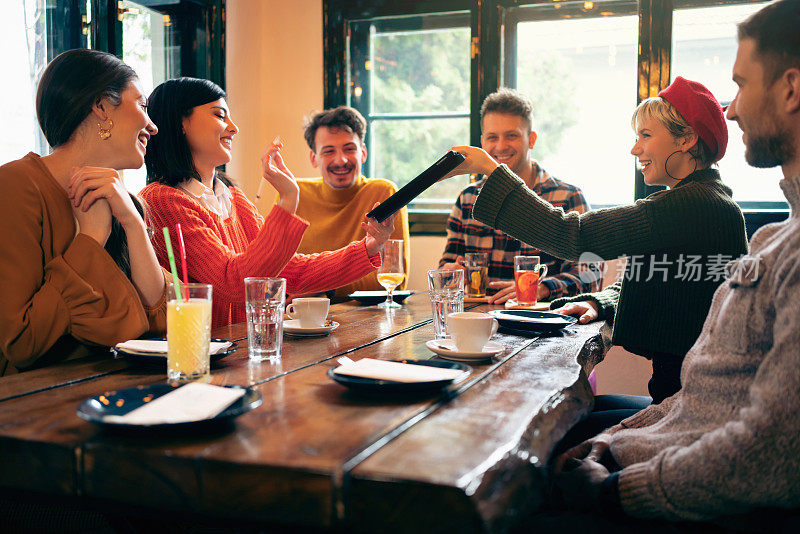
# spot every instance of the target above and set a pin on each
(701, 110)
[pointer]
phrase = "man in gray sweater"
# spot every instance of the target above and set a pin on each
(729, 442)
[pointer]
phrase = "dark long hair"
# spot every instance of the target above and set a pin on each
(71, 84)
(74, 82)
(169, 158)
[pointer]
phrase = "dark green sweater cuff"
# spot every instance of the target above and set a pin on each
(493, 194)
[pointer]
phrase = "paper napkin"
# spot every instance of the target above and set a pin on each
(159, 346)
(192, 402)
(399, 372)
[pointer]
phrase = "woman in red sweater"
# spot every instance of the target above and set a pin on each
(226, 238)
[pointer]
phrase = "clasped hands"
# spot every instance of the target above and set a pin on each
(97, 193)
(580, 472)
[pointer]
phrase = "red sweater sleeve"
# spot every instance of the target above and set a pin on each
(310, 273)
(223, 253)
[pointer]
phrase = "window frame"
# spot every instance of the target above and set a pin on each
(492, 23)
(71, 29)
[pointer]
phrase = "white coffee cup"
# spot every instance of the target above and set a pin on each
(310, 311)
(471, 330)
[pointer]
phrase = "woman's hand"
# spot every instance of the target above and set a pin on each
(586, 311)
(94, 221)
(377, 233)
(280, 177)
(90, 184)
(478, 162)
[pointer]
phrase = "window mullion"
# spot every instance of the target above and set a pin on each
(509, 27)
(334, 53)
(486, 60)
(653, 64)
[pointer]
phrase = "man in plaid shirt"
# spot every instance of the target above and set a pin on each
(508, 136)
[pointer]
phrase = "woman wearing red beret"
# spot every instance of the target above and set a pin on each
(677, 241)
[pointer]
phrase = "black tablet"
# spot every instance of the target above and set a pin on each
(412, 189)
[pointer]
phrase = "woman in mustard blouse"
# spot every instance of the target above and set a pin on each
(76, 264)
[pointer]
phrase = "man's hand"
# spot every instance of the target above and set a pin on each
(542, 293)
(586, 311)
(580, 485)
(593, 449)
(505, 291)
(459, 264)
(579, 473)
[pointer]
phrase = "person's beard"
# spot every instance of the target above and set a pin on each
(766, 149)
(770, 150)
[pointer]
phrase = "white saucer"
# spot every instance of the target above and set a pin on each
(446, 348)
(292, 327)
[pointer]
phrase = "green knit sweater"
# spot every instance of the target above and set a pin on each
(658, 306)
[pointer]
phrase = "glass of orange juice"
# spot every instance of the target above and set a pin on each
(527, 272)
(188, 331)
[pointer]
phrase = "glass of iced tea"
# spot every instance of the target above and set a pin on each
(477, 264)
(527, 272)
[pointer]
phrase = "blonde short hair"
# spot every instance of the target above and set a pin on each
(661, 110)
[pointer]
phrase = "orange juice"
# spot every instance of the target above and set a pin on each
(390, 280)
(188, 338)
(527, 285)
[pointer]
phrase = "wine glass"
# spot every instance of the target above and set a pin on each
(391, 273)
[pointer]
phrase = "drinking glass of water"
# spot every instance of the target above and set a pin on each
(446, 289)
(264, 302)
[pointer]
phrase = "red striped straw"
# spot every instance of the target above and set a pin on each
(182, 250)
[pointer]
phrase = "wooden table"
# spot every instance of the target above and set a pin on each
(315, 454)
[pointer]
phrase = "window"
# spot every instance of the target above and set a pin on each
(704, 48)
(578, 68)
(24, 30)
(149, 45)
(411, 82)
(584, 64)
(160, 39)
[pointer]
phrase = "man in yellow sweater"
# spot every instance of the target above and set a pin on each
(336, 202)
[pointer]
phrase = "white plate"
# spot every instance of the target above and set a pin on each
(446, 348)
(292, 327)
(157, 348)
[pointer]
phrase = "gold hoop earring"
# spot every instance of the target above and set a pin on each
(105, 133)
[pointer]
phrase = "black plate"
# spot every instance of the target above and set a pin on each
(94, 410)
(526, 320)
(370, 298)
(160, 360)
(373, 385)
